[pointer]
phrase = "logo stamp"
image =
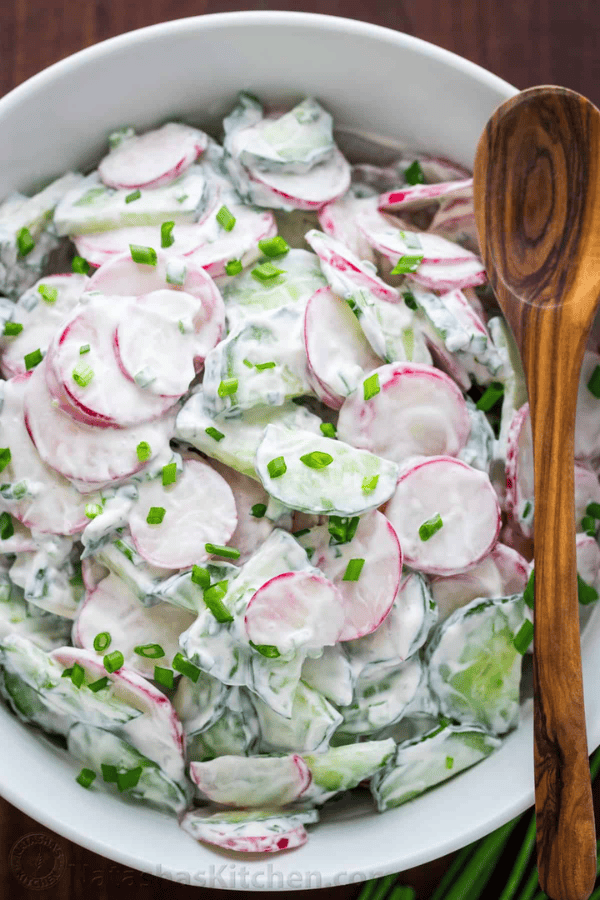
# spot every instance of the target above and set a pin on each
(37, 861)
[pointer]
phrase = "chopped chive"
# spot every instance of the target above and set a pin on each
(410, 301)
(371, 386)
(353, 570)
(317, 459)
(7, 529)
(144, 451)
(248, 364)
(77, 675)
(128, 779)
(213, 598)
(589, 525)
(12, 328)
(369, 484)
(86, 777)
(149, 651)
(414, 173)
(407, 264)
(274, 247)
(528, 593)
(113, 661)
(491, 395)
(25, 242)
(33, 359)
(96, 686)
(328, 429)
(85, 348)
(593, 510)
(265, 365)
(66, 673)
(5, 457)
(449, 762)
(166, 235)
(82, 374)
(169, 474)
(49, 294)
(342, 529)
(594, 383)
(92, 510)
(587, 593)
(430, 527)
(134, 195)
(524, 636)
(181, 326)
(225, 218)
(233, 267)
(527, 509)
(201, 576)
(164, 676)
(258, 510)
(276, 467)
(266, 271)
(102, 641)
(301, 532)
(155, 515)
(225, 552)
(146, 256)
(187, 668)
(109, 773)
(80, 266)
(227, 387)
(213, 433)
(268, 650)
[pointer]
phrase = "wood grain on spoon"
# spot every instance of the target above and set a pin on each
(537, 205)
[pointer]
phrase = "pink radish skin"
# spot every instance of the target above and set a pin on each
(243, 781)
(102, 247)
(418, 411)
(455, 221)
(339, 220)
(92, 457)
(588, 560)
(513, 568)
(295, 610)
(519, 468)
(201, 829)
(334, 254)
(250, 532)
(154, 158)
(466, 502)
(92, 573)
(337, 351)
(199, 509)
(323, 184)
(419, 195)
(469, 273)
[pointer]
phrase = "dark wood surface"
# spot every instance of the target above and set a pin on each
(527, 42)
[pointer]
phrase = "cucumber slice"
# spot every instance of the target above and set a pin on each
(199, 704)
(384, 693)
(181, 591)
(235, 732)
(478, 451)
(343, 768)
(251, 831)
(45, 577)
(309, 729)
(251, 781)
(331, 675)
(19, 617)
(123, 560)
(152, 159)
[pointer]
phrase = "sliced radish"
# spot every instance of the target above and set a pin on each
(92, 457)
(418, 195)
(519, 471)
(199, 509)
(220, 246)
(251, 781)
(50, 504)
(20, 541)
(109, 398)
(438, 168)
(588, 559)
(337, 351)
(112, 607)
(295, 610)
(253, 527)
(455, 221)
(323, 184)
(587, 422)
(513, 568)
(154, 158)
(40, 319)
(339, 220)
(102, 246)
(587, 490)
(444, 489)
(417, 410)
(443, 359)
(92, 572)
(250, 831)
(438, 277)
(338, 261)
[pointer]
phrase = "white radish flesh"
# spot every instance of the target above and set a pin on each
(251, 781)
(336, 258)
(219, 246)
(154, 158)
(339, 220)
(102, 246)
(253, 527)
(519, 471)
(323, 184)
(246, 832)
(418, 195)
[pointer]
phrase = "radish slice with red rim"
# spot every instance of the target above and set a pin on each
(519, 471)
(250, 831)
(219, 246)
(154, 158)
(418, 195)
(253, 527)
(323, 184)
(340, 220)
(251, 781)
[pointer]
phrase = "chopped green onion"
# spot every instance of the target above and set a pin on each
(328, 429)
(80, 266)
(96, 686)
(276, 467)
(144, 451)
(49, 294)
(77, 675)
(187, 668)
(593, 510)
(594, 383)
(128, 779)
(301, 532)
(587, 593)
(201, 576)
(149, 651)
(265, 365)
(7, 529)
(134, 195)
(82, 374)
(5, 457)
(146, 256)
(25, 242)
(407, 264)
(491, 395)
(353, 570)
(225, 218)
(528, 593)
(85, 348)
(33, 359)
(92, 510)
(430, 527)
(342, 529)
(155, 515)
(524, 636)
(213, 433)
(369, 484)
(410, 301)
(225, 552)
(248, 364)
(66, 673)
(86, 777)
(109, 773)
(166, 235)
(414, 173)
(274, 247)
(113, 661)
(169, 474)
(233, 267)
(258, 510)
(371, 386)
(164, 676)
(266, 271)
(588, 524)
(227, 387)
(317, 459)
(12, 328)
(449, 762)
(268, 650)
(102, 641)
(213, 598)
(527, 509)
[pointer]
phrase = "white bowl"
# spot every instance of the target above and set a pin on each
(378, 81)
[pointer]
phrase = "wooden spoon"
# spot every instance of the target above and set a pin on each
(537, 206)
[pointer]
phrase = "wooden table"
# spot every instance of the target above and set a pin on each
(526, 42)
